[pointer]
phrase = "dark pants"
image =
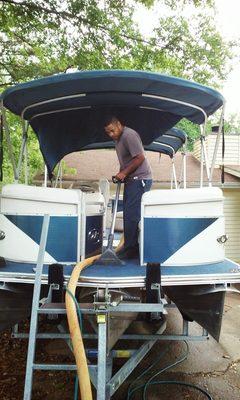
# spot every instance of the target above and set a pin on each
(133, 191)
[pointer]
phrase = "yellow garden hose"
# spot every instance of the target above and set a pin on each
(75, 332)
(120, 244)
(74, 328)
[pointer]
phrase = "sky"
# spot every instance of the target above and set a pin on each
(228, 16)
(228, 20)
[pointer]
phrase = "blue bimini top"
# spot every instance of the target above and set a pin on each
(168, 143)
(67, 111)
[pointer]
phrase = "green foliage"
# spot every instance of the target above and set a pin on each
(35, 160)
(15, 132)
(50, 36)
(232, 124)
(65, 169)
(197, 3)
(192, 131)
(193, 51)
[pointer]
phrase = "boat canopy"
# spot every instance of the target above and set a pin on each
(67, 111)
(168, 143)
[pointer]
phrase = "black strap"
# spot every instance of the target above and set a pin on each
(1, 148)
(223, 153)
(153, 275)
(55, 275)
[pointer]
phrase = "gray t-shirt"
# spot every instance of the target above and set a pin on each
(128, 146)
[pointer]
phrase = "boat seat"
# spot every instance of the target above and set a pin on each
(39, 200)
(35, 200)
(182, 226)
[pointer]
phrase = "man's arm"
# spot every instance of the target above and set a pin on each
(134, 164)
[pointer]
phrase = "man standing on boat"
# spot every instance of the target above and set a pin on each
(136, 174)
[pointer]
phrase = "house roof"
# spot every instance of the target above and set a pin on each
(233, 170)
(93, 165)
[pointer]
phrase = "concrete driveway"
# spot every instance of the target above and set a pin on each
(213, 366)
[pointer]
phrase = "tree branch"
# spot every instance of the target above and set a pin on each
(36, 7)
(69, 16)
(9, 71)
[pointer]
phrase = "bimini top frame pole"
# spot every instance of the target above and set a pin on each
(183, 172)
(184, 103)
(203, 129)
(87, 107)
(204, 158)
(173, 175)
(217, 141)
(23, 151)
(9, 142)
(52, 101)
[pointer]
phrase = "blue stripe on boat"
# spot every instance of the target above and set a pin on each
(164, 236)
(62, 235)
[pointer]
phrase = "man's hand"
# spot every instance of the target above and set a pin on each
(121, 176)
(134, 164)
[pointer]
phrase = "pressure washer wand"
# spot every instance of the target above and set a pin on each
(111, 234)
(109, 257)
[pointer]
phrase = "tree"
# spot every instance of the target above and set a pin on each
(50, 36)
(46, 37)
(232, 124)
